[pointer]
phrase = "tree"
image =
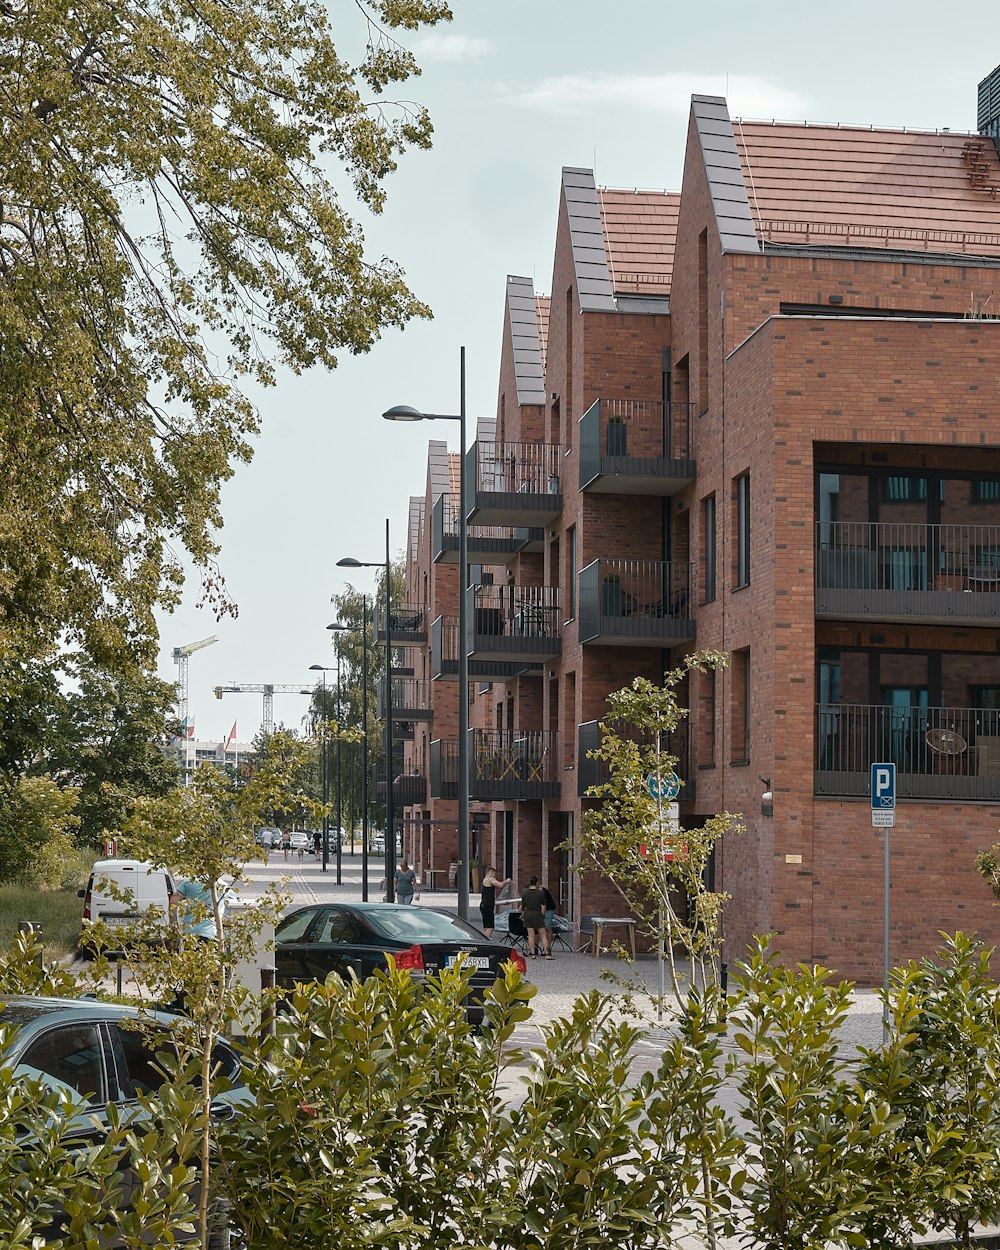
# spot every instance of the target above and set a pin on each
(169, 225)
(660, 868)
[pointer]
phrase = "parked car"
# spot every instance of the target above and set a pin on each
(314, 941)
(268, 837)
(303, 839)
(84, 1048)
(377, 844)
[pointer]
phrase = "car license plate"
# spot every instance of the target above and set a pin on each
(470, 961)
(111, 921)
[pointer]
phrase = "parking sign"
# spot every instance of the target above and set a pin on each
(883, 787)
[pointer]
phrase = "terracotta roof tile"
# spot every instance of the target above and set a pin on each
(640, 230)
(904, 190)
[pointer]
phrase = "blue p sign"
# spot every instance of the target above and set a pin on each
(883, 787)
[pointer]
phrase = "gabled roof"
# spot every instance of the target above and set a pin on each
(542, 313)
(847, 185)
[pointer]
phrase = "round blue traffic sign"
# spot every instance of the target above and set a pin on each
(663, 785)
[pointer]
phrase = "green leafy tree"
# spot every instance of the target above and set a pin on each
(660, 868)
(37, 824)
(174, 180)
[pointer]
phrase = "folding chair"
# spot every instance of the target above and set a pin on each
(587, 931)
(518, 933)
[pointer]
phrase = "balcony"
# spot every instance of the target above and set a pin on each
(409, 628)
(411, 699)
(636, 603)
(519, 624)
(514, 483)
(444, 768)
(513, 765)
(636, 447)
(488, 544)
(940, 753)
(924, 574)
(445, 655)
(408, 790)
(591, 772)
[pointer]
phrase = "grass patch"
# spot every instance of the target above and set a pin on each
(59, 912)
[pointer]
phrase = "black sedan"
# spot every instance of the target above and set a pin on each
(357, 937)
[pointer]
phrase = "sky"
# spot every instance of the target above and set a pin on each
(516, 90)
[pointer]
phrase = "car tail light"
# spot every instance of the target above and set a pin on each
(412, 959)
(86, 906)
(519, 961)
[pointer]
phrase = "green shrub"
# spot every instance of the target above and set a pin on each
(59, 912)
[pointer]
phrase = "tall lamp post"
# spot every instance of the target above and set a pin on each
(320, 668)
(337, 626)
(402, 412)
(390, 816)
(364, 748)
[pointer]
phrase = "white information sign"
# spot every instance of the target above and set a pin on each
(883, 819)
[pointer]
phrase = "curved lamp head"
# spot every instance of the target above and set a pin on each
(338, 625)
(349, 562)
(316, 668)
(403, 412)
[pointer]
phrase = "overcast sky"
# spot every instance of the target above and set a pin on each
(517, 89)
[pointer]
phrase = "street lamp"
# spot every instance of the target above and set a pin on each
(320, 668)
(337, 626)
(390, 816)
(402, 412)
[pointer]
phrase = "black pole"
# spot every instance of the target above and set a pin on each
(463, 663)
(340, 818)
(326, 782)
(390, 814)
(364, 748)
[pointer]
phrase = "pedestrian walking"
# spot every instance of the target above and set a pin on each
(488, 898)
(533, 915)
(286, 843)
(406, 883)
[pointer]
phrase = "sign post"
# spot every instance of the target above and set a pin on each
(883, 790)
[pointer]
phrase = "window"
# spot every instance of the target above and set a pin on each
(706, 719)
(743, 530)
(708, 547)
(740, 708)
(985, 491)
(571, 572)
(69, 1059)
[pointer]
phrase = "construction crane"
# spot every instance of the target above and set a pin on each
(182, 658)
(268, 690)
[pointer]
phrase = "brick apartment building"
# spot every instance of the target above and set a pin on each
(761, 416)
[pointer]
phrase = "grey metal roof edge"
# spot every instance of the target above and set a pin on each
(526, 344)
(589, 282)
(438, 481)
(715, 133)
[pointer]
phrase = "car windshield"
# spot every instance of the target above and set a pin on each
(422, 925)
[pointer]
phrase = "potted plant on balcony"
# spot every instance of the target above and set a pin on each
(617, 436)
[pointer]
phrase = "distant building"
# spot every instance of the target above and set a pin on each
(190, 753)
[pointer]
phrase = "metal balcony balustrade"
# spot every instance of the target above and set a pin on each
(408, 790)
(488, 544)
(636, 603)
(514, 483)
(591, 772)
(408, 625)
(636, 447)
(940, 753)
(906, 571)
(411, 699)
(444, 657)
(518, 623)
(444, 768)
(513, 764)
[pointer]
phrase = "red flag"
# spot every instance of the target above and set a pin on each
(232, 734)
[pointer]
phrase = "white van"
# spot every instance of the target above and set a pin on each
(148, 886)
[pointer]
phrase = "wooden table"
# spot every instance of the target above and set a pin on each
(600, 923)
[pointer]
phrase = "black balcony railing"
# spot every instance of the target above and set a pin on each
(409, 624)
(514, 483)
(942, 753)
(411, 699)
(636, 602)
(488, 544)
(897, 570)
(444, 768)
(633, 446)
(591, 772)
(444, 657)
(408, 790)
(513, 764)
(514, 622)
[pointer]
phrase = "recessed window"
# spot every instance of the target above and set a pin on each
(740, 708)
(708, 547)
(742, 502)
